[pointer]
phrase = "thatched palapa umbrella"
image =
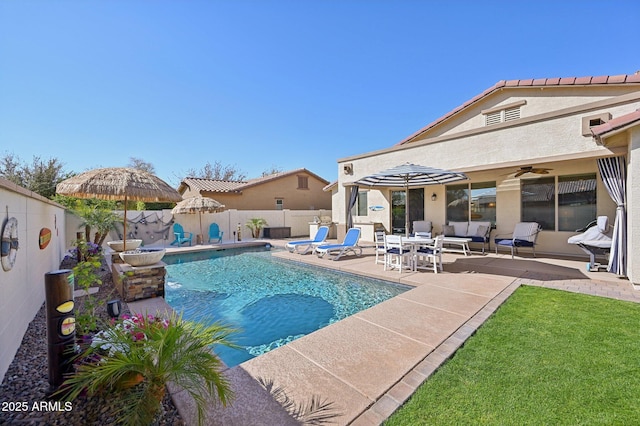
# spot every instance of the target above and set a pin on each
(198, 204)
(119, 184)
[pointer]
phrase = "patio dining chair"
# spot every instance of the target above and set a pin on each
(431, 255)
(380, 248)
(398, 254)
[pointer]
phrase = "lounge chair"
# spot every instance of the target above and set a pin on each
(181, 235)
(305, 246)
(595, 241)
(349, 244)
(524, 234)
(214, 233)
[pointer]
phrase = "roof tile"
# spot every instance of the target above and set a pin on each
(617, 78)
(567, 80)
(634, 78)
(600, 79)
(583, 80)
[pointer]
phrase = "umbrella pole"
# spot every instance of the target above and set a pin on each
(406, 211)
(124, 225)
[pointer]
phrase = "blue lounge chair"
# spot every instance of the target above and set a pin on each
(305, 246)
(214, 233)
(350, 244)
(181, 235)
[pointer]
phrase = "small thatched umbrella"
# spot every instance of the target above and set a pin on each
(119, 183)
(198, 204)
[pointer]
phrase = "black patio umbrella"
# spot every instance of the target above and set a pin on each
(410, 176)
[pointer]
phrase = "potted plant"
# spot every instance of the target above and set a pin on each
(256, 225)
(133, 360)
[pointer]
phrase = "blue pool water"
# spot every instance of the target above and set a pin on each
(273, 301)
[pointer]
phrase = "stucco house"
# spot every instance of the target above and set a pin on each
(297, 189)
(531, 150)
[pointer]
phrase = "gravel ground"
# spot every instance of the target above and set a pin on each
(26, 383)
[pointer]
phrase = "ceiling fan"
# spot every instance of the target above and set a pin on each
(530, 169)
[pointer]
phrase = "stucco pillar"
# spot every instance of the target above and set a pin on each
(633, 204)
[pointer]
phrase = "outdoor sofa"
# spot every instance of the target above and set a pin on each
(477, 231)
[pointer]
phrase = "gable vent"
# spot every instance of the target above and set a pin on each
(503, 113)
(511, 114)
(493, 118)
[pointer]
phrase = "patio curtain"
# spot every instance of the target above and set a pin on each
(614, 176)
(353, 197)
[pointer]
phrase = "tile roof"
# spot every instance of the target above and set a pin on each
(615, 124)
(538, 82)
(215, 185)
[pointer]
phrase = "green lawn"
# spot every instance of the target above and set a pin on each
(546, 357)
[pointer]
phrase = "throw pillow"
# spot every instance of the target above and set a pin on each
(448, 231)
(482, 231)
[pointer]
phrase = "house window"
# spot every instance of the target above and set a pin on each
(502, 113)
(576, 201)
(575, 196)
(362, 205)
(279, 203)
(538, 198)
(476, 201)
(592, 121)
(303, 182)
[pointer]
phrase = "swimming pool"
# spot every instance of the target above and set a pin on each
(273, 301)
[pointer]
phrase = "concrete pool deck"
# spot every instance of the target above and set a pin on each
(367, 365)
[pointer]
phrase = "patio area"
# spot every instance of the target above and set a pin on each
(367, 365)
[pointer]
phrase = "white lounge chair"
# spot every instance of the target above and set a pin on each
(595, 241)
(349, 244)
(305, 246)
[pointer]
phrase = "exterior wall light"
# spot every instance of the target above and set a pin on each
(434, 197)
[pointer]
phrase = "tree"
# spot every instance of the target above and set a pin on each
(272, 171)
(218, 172)
(140, 164)
(11, 169)
(41, 176)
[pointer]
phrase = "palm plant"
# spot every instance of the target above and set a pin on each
(256, 225)
(95, 217)
(137, 358)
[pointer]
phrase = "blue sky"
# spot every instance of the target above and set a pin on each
(286, 84)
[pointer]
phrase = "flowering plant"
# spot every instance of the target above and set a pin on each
(135, 327)
(132, 360)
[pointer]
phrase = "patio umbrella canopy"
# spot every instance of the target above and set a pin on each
(119, 184)
(198, 204)
(410, 176)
